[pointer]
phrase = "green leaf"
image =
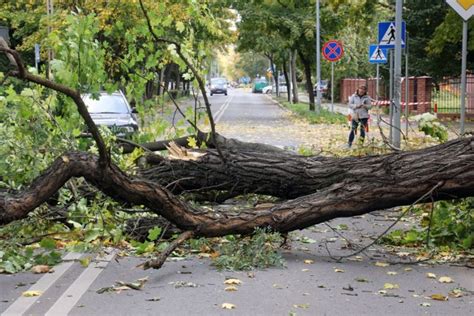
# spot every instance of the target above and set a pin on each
(180, 26)
(48, 243)
(154, 233)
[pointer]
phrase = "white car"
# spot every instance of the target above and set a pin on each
(270, 89)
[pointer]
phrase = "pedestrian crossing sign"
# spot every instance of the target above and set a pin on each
(377, 55)
(387, 34)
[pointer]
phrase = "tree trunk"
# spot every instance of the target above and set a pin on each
(293, 77)
(309, 83)
(330, 187)
(287, 81)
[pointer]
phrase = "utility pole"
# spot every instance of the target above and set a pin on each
(318, 61)
(397, 75)
(463, 76)
(49, 12)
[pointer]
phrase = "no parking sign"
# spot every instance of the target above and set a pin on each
(332, 50)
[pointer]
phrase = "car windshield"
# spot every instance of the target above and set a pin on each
(260, 81)
(106, 103)
(218, 81)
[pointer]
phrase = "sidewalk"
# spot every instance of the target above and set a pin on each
(343, 108)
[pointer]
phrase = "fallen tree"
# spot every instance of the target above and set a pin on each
(321, 188)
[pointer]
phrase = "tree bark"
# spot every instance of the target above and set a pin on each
(309, 83)
(293, 77)
(340, 187)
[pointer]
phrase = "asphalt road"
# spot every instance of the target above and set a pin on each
(311, 283)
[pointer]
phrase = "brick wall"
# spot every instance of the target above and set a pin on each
(349, 87)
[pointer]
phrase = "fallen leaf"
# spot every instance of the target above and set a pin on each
(85, 262)
(179, 284)
(305, 270)
(383, 292)
(356, 258)
(339, 270)
(431, 275)
(348, 288)
(153, 299)
(251, 275)
(408, 269)
(31, 293)
(439, 297)
(41, 269)
(231, 288)
(456, 293)
(392, 273)
(390, 286)
(228, 306)
(425, 304)
(233, 282)
(303, 306)
(381, 264)
(445, 279)
(361, 280)
(278, 286)
(307, 240)
(309, 261)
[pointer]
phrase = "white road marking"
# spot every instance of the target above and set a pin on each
(222, 109)
(68, 300)
(22, 304)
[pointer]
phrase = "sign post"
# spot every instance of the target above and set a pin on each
(465, 9)
(332, 51)
(37, 56)
(393, 35)
(377, 56)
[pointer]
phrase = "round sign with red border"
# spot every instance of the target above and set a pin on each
(332, 50)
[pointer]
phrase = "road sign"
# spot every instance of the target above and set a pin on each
(387, 33)
(377, 55)
(332, 50)
(465, 8)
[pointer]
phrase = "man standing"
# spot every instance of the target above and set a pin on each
(359, 103)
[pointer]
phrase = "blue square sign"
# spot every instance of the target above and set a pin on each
(388, 32)
(377, 55)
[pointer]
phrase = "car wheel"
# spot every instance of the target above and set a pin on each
(225, 93)
(211, 94)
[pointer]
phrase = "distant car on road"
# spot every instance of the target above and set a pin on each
(114, 111)
(218, 86)
(324, 88)
(258, 85)
(272, 88)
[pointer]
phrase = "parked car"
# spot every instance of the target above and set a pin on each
(258, 85)
(324, 88)
(114, 111)
(218, 85)
(272, 88)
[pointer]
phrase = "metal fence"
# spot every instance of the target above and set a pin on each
(446, 99)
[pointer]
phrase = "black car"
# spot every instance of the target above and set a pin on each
(114, 111)
(218, 85)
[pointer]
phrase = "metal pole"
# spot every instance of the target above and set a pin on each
(377, 92)
(390, 96)
(318, 61)
(332, 87)
(406, 86)
(463, 76)
(397, 74)
(49, 12)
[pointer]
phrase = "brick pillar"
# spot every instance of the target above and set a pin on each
(411, 94)
(424, 88)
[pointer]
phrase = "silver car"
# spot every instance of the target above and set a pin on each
(114, 111)
(218, 85)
